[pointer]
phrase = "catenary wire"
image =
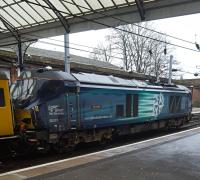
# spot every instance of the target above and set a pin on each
(127, 22)
(78, 49)
(96, 53)
(106, 25)
(117, 28)
(81, 45)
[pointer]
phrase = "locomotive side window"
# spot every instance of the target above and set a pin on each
(131, 105)
(120, 110)
(175, 104)
(2, 98)
(135, 105)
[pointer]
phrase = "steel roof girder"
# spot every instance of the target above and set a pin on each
(140, 6)
(15, 33)
(10, 28)
(59, 15)
(154, 10)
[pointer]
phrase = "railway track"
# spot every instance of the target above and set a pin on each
(194, 122)
(13, 163)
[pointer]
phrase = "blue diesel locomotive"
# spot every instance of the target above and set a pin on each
(59, 110)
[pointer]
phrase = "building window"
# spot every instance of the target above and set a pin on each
(119, 110)
(2, 98)
(131, 105)
(175, 104)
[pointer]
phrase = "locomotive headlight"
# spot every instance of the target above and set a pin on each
(36, 108)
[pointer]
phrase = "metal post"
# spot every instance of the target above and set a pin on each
(157, 78)
(20, 55)
(170, 69)
(157, 73)
(66, 46)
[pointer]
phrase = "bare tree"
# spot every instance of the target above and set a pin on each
(142, 50)
(120, 43)
(141, 54)
(102, 52)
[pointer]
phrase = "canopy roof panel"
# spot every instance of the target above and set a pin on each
(34, 19)
(26, 13)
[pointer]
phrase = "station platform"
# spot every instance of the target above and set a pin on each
(195, 110)
(174, 156)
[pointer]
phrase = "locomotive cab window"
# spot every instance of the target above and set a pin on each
(2, 98)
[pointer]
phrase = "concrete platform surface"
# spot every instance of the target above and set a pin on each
(175, 156)
(179, 159)
(195, 110)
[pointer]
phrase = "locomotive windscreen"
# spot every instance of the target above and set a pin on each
(40, 85)
(2, 98)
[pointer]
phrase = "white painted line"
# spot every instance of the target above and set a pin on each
(196, 112)
(95, 153)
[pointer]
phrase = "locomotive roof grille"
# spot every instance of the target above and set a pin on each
(96, 79)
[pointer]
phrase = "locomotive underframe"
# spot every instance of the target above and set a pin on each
(44, 140)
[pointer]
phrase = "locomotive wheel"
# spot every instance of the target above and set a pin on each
(44, 148)
(61, 147)
(105, 141)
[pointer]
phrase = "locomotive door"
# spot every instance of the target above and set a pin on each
(73, 110)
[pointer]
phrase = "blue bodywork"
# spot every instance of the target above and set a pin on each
(152, 105)
(86, 101)
(95, 107)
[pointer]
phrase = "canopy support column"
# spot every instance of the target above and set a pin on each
(67, 56)
(20, 55)
(65, 24)
(140, 6)
(170, 70)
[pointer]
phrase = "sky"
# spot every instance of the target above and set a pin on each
(184, 27)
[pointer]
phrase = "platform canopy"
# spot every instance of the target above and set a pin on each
(27, 20)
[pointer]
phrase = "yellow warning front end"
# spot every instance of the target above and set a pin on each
(6, 118)
(23, 119)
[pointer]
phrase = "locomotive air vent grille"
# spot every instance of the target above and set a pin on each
(113, 80)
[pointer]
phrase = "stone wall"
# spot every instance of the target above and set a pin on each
(194, 85)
